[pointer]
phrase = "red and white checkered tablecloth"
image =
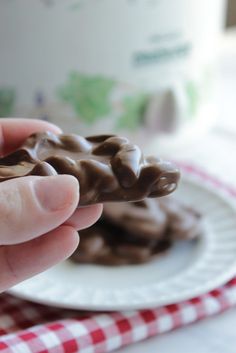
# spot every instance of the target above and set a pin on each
(33, 328)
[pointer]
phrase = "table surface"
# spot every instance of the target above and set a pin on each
(213, 153)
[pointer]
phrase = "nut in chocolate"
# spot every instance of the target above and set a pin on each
(109, 168)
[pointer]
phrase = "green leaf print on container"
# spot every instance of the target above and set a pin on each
(7, 99)
(134, 109)
(193, 96)
(88, 95)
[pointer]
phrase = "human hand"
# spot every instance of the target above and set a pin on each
(39, 217)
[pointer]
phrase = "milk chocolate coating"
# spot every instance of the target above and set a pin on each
(143, 219)
(110, 245)
(108, 168)
(150, 218)
(183, 222)
(134, 233)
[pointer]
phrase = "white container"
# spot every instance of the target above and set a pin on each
(140, 67)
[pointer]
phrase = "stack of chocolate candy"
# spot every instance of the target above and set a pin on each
(136, 232)
(111, 169)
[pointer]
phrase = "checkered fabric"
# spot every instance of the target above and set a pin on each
(32, 328)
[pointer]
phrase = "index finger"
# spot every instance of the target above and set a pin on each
(13, 131)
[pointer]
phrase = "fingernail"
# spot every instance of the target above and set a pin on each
(55, 193)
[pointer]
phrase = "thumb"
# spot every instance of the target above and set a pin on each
(32, 206)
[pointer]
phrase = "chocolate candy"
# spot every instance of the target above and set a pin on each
(110, 245)
(183, 222)
(109, 168)
(151, 218)
(134, 233)
(143, 219)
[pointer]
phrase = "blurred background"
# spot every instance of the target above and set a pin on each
(160, 71)
(231, 13)
(153, 70)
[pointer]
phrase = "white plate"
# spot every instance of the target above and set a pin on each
(187, 270)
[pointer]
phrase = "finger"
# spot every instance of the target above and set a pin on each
(13, 131)
(19, 262)
(32, 206)
(84, 217)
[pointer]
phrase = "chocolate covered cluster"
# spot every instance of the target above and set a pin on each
(108, 167)
(135, 233)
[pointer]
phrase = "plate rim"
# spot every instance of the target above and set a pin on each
(206, 287)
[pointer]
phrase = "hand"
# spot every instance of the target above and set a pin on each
(38, 215)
